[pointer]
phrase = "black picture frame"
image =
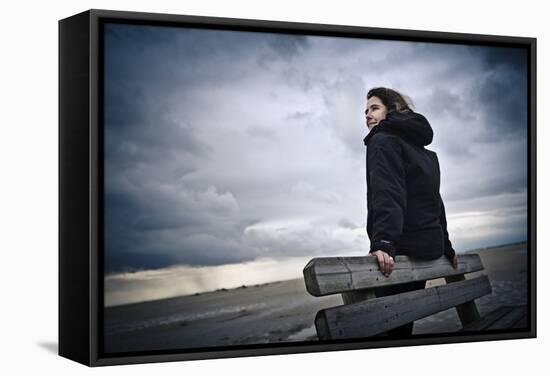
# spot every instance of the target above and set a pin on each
(81, 258)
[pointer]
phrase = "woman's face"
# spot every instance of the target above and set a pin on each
(375, 112)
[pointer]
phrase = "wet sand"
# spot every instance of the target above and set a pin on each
(280, 311)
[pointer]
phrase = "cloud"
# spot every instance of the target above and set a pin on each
(287, 46)
(345, 223)
(225, 146)
(444, 102)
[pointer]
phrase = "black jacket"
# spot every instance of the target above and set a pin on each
(406, 214)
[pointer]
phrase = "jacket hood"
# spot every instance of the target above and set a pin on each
(410, 126)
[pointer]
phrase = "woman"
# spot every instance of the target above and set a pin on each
(406, 215)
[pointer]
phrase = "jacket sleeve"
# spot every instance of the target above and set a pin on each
(448, 250)
(388, 191)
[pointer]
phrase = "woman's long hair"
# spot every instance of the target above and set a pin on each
(392, 99)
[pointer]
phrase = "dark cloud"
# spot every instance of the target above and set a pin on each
(491, 185)
(224, 146)
(137, 138)
(443, 102)
(460, 151)
(497, 94)
(122, 261)
(165, 59)
(490, 170)
(503, 97)
(287, 46)
(512, 58)
(345, 223)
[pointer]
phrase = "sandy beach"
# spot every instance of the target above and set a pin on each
(281, 311)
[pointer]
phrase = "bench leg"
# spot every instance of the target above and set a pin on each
(467, 312)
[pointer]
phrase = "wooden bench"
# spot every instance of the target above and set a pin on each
(364, 315)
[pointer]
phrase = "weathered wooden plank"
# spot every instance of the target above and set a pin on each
(332, 275)
(378, 315)
(467, 312)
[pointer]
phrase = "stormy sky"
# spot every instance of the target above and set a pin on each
(227, 147)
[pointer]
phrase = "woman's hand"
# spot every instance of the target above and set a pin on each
(385, 262)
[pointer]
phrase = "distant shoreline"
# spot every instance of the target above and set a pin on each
(256, 285)
(495, 246)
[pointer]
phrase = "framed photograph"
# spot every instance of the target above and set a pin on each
(234, 187)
